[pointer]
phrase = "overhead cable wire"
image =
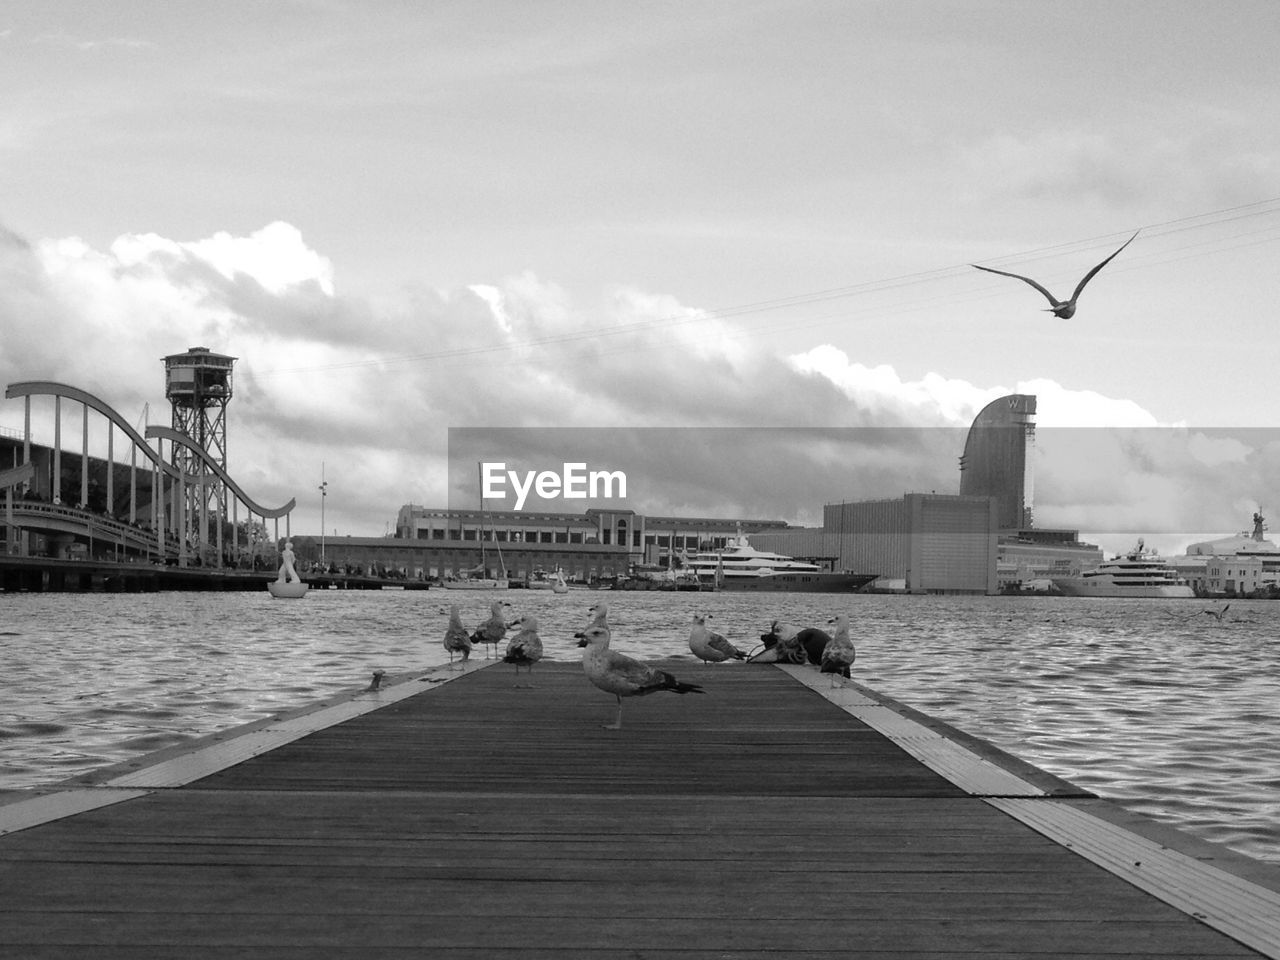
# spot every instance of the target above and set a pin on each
(693, 315)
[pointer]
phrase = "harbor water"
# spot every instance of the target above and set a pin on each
(1168, 707)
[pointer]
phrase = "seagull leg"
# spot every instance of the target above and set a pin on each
(617, 724)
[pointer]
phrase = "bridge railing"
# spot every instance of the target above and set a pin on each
(138, 537)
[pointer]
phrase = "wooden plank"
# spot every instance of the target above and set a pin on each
(752, 733)
(306, 869)
(478, 820)
(41, 808)
(209, 758)
(977, 775)
(1246, 911)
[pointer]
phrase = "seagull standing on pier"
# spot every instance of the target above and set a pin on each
(621, 675)
(491, 632)
(525, 648)
(1063, 309)
(456, 639)
(839, 653)
(708, 646)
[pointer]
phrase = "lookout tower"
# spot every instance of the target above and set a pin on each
(198, 385)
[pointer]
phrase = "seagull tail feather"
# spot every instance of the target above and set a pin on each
(668, 682)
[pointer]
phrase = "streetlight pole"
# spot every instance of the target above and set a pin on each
(324, 492)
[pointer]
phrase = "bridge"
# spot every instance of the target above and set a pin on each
(165, 515)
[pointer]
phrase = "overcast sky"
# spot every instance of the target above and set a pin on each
(403, 218)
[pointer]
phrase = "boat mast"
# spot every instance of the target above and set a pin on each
(484, 516)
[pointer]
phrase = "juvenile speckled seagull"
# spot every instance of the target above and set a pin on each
(839, 653)
(1063, 309)
(456, 638)
(525, 648)
(708, 646)
(621, 675)
(491, 632)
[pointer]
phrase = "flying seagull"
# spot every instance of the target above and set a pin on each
(1064, 309)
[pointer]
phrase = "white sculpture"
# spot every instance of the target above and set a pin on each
(287, 571)
(287, 583)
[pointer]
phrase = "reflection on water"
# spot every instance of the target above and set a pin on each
(1149, 703)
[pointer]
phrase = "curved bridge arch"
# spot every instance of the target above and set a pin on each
(35, 388)
(30, 388)
(177, 436)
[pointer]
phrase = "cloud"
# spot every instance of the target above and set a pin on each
(1214, 159)
(1171, 485)
(275, 256)
(704, 421)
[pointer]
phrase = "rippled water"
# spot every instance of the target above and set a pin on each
(1150, 703)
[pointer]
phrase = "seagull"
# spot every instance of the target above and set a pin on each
(456, 639)
(780, 645)
(623, 676)
(525, 648)
(813, 640)
(1063, 309)
(838, 655)
(599, 615)
(1216, 614)
(492, 630)
(708, 646)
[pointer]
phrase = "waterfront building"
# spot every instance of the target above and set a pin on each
(918, 543)
(1237, 565)
(594, 544)
(998, 459)
(1035, 556)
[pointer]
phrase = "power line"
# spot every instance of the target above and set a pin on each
(1177, 225)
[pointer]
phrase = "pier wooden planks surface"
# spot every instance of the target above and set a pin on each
(480, 820)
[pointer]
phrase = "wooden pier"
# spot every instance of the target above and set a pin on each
(450, 814)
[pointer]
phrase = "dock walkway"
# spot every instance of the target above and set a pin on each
(454, 815)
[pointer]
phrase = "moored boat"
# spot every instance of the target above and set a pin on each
(1139, 573)
(740, 566)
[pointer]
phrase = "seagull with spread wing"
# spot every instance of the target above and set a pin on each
(1063, 309)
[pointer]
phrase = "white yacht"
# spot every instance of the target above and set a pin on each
(1138, 573)
(740, 566)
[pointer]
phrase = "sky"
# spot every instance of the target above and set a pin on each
(752, 223)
